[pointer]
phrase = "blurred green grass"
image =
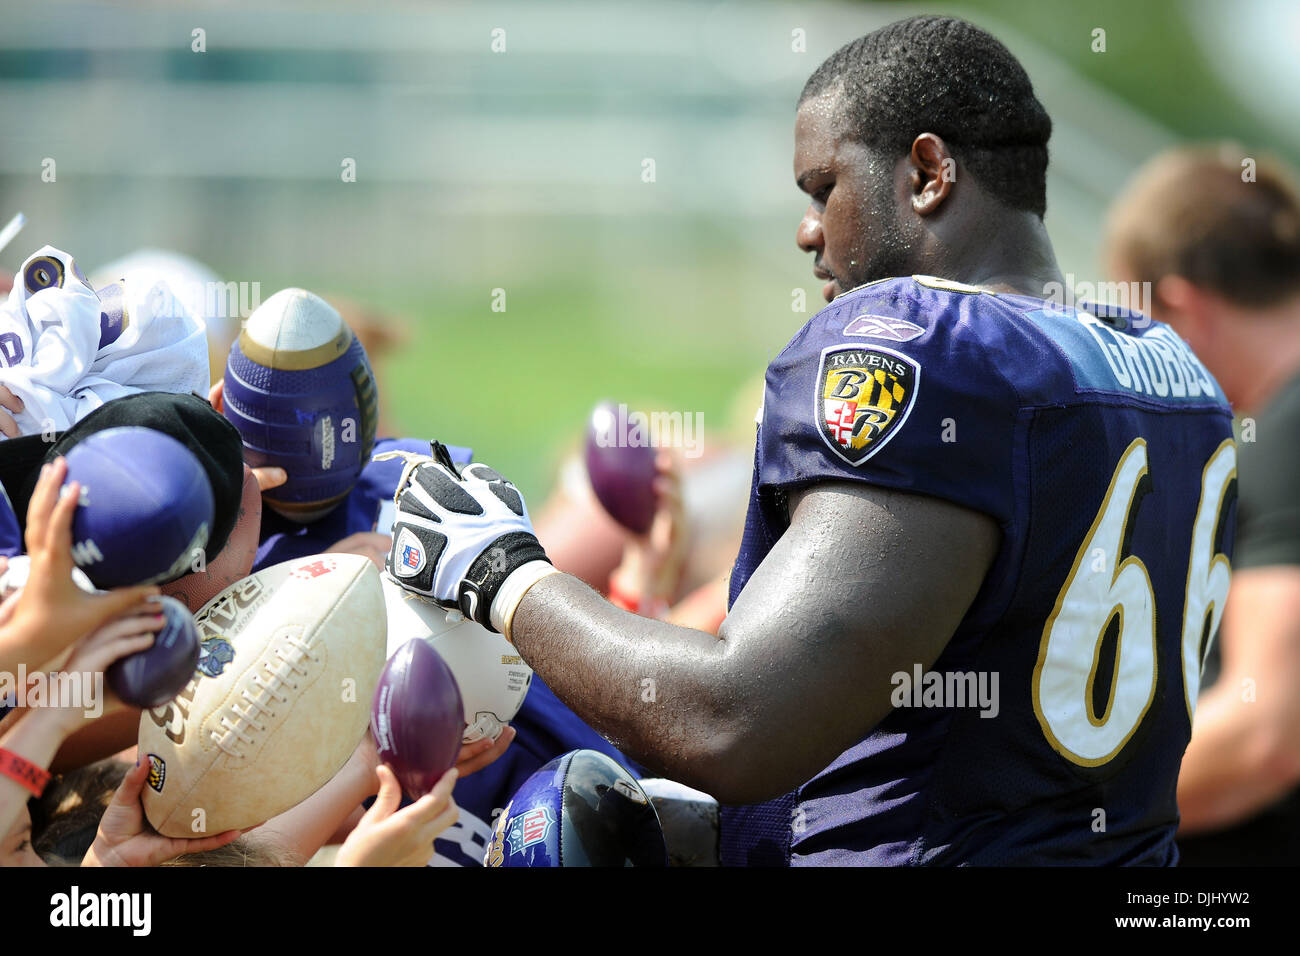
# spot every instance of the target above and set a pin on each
(518, 385)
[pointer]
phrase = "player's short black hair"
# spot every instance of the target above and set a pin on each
(945, 76)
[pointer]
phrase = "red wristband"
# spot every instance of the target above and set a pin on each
(23, 772)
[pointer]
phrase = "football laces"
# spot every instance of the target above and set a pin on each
(240, 724)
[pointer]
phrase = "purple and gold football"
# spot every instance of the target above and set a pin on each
(299, 389)
(153, 676)
(146, 507)
(417, 717)
(622, 470)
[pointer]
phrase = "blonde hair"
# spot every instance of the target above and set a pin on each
(241, 852)
(1195, 213)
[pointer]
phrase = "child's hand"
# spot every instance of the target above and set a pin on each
(9, 403)
(387, 836)
(480, 753)
(124, 839)
(128, 634)
(51, 611)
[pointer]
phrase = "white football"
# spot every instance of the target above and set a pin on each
(492, 677)
(289, 661)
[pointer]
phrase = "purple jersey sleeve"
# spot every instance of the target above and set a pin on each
(901, 386)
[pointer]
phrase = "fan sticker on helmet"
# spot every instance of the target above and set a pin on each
(410, 554)
(530, 828)
(863, 397)
(884, 327)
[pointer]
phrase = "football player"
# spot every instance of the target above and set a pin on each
(988, 535)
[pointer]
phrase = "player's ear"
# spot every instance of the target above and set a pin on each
(932, 174)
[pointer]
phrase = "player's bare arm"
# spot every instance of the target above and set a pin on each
(862, 584)
(801, 668)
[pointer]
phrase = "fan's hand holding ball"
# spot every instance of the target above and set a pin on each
(392, 835)
(151, 677)
(267, 476)
(128, 633)
(51, 611)
(417, 717)
(124, 840)
(460, 535)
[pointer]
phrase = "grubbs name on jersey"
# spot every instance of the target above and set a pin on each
(1159, 363)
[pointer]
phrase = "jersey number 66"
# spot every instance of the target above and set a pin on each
(1101, 587)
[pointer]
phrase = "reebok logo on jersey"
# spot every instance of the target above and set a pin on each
(883, 327)
(863, 396)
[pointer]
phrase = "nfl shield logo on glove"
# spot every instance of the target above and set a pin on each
(863, 396)
(410, 553)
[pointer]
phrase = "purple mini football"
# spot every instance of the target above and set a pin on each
(622, 472)
(151, 677)
(146, 507)
(417, 717)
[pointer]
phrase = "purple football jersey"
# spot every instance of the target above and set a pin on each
(1052, 726)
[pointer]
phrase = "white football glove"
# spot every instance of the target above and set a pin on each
(458, 535)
